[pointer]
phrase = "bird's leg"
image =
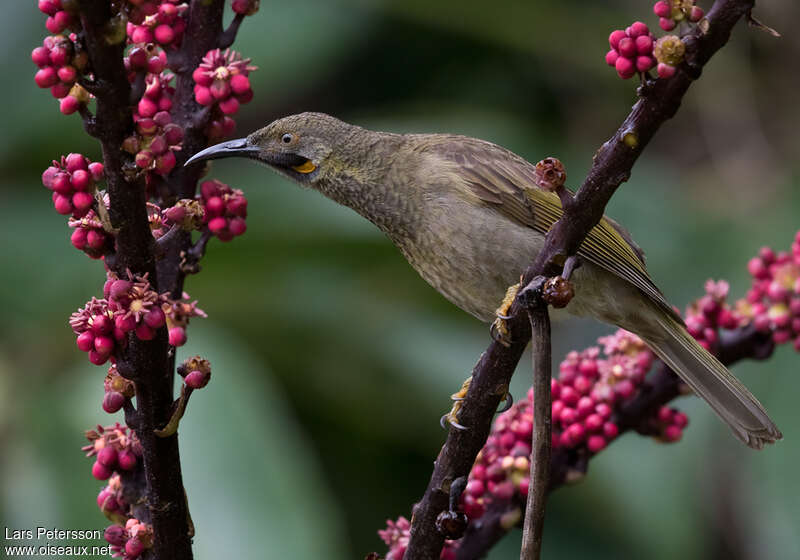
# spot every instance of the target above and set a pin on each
(499, 330)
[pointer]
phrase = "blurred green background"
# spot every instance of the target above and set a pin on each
(333, 361)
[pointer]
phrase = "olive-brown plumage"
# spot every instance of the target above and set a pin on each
(468, 217)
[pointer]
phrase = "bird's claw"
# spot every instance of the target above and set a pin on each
(509, 402)
(452, 416)
(499, 331)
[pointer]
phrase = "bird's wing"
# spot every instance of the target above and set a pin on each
(505, 181)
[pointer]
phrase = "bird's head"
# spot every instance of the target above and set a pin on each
(305, 148)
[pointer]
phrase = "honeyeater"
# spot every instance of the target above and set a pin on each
(469, 218)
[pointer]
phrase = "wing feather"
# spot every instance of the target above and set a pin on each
(505, 181)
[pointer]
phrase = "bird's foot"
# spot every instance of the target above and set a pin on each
(499, 330)
(458, 398)
(458, 402)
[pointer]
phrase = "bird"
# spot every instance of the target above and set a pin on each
(469, 217)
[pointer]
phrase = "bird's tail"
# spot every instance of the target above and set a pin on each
(714, 383)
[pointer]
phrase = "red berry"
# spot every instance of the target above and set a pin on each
(60, 90)
(67, 74)
(201, 94)
(100, 471)
(666, 24)
(611, 57)
(85, 341)
(237, 226)
(78, 240)
(41, 57)
(615, 38)
(155, 318)
(229, 106)
(593, 422)
(662, 9)
(165, 163)
(114, 534)
(638, 28)
(68, 105)
(113, 401)
(97, 358)
(82, 201)
(644, 63)
(197, 379)
(146, 107)
(240, 84)
(665, 70)
(49, 7)
(96, 170)
(133, 548)
(672, 433)
(62, 204)
(104, 344)
(107, 457)
(127, 460)
(627, 47)
(610, 430)
(218, 224)
(644, 45)
(625, 68)
(164, 33)
(177, 336)
(46, 77)
(596, 443)
(101, 324)
(696, 14)
(680, 419)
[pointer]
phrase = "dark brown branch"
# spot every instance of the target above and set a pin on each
(569, 465)
(165, 506)
(541, 439)
(612, 165)
(227, 37)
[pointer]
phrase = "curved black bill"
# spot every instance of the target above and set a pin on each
(232, 148)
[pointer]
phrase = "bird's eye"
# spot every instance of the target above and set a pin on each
(287, 138)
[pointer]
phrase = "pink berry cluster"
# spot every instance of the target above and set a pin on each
(196, 372)
(162, 22)
(155, 142)
(129, 305)
(61, 63)
(773, 301)
(89, 235)
(635, 50)
(58, 17)
(144, 58)
(117, 390)
(115, 448)
(669, 424)
(222, 83)
(631, 50)
(72, 180)
(225, 209)
(396, 537)
(129, 541)
(706, 316)
(672, 12)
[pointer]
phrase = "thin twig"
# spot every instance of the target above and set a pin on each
(541, 439)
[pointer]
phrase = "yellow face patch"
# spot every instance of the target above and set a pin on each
(306, 167)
